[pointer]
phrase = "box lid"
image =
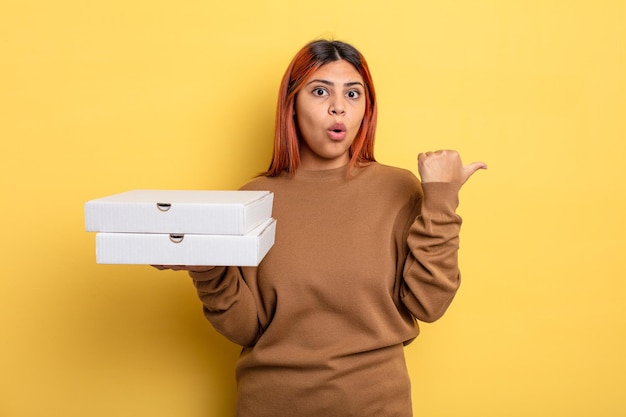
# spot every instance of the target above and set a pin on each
(186, 249)
(219, 212)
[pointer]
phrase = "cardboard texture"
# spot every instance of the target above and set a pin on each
(186, 249)
(178, 211)
(177, 227)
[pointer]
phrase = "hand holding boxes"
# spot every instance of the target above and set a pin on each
(177, 227)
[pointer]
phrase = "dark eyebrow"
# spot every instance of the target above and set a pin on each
(331, 84)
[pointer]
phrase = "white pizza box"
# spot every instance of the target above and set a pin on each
(211, 212)
(186, 249)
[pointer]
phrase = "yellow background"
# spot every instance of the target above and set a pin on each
(99, 97)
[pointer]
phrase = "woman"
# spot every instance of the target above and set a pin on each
(362, 251)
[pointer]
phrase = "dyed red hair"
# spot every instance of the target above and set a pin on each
(286, 155)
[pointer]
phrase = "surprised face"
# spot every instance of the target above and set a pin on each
(329, 111)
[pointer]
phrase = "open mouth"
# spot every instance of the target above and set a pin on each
(338, 128)
(337, 132)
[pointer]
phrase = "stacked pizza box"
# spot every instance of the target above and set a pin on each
(182, 227)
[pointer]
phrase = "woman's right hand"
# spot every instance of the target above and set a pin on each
(189, 268)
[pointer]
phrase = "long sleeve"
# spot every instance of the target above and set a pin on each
(228, 304)
(431, 274)
(325, 304)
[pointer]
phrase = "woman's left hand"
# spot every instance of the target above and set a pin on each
(445, 166)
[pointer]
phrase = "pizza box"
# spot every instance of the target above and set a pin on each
(179, 211)
(186, 249)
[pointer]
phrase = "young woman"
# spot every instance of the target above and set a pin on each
(362, 251)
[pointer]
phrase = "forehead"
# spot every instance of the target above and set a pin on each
(338, 72)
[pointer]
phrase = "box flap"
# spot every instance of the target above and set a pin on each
(179, 211)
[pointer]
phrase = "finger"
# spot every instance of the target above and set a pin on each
(470, 169)
(177, 267)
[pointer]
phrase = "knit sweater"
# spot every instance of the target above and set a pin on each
(323, 319)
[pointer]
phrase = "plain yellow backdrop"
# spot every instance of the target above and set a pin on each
(99, 97)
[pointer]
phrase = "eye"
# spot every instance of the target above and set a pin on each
(320, 92)
(353, 94)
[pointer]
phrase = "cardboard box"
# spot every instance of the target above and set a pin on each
(186, 249)
(178, 211)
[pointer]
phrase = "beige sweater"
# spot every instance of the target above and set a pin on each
(324, 317)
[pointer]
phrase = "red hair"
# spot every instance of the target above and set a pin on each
(286, 156)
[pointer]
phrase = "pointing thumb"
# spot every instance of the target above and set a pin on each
(470, 169)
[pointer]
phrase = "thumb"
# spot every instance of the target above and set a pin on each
(469, 170)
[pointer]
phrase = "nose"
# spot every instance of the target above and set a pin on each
(336, 108)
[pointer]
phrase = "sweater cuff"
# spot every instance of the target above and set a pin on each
(441, 196)
(212, 273)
